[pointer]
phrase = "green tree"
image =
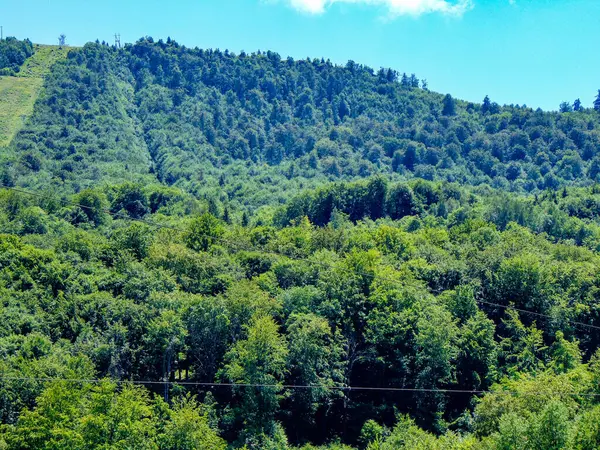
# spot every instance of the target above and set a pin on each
(449, 106)
(565, 355)
(486, 106)
(525, 351)
(260, 361)
(401, 202)
(94, 206)
(549, 430)
(512, 433)
(478, 353)
(436, 351)
(136, 239)
(203, 232)
(188, 428)
(586, 430)
(130, 199)
(71, 415)
(565, 107)
(164, 340)
(314, 359)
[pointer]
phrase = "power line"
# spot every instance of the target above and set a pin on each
(299, 258)
(291, 386)
(258, 385)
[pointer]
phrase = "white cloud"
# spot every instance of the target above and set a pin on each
(395, 7)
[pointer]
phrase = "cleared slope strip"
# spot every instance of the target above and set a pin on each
(17, 97)
(18, 94)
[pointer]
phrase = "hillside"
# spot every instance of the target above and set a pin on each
(233, 126)
(19, 93)
(40, 63)
(202, 250)
(17, 97)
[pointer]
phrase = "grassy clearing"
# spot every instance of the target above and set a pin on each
(17, 97)
(18, 94)
(42, 60)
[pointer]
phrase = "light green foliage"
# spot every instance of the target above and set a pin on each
(565, 355)
(188, 428)
(253, 268)
(586, 431)
(40, 63)
(71, 415)
(259, 359)
(316, 358)
(372, 434)
(19, 93)
(526, 348)
(203, 232)
(135, 239)
(374, 303)
(17, 97)
(549, 429)
(143, 113)
(512, 433)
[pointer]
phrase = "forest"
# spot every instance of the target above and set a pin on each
(13, 53)
(204, 250)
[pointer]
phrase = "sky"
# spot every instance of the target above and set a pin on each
(533, 52)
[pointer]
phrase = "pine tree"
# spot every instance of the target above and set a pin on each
(226, 217)
(405, 82)
(597, 102)
(344, 109)
(414, 81)
(245, 219)
(577, 105)
(449, 108)
(565, 107)
(486, 106)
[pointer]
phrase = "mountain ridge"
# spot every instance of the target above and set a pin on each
(204, 120)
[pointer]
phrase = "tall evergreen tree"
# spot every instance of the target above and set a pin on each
(565, 107)
(486, 105)
(449, 108)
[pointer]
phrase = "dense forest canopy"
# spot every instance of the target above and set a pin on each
(13, 54)
(252, 128)
(422, 272)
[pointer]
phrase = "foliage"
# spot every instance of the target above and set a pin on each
(254, 239)
(13, 54)
(252, 130)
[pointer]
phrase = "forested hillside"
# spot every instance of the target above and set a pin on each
(201, 250)
(232, 126)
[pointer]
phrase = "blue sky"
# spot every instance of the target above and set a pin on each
(534, 52)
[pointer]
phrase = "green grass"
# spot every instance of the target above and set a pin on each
(42, 60)
(18, 94)
(17, 97)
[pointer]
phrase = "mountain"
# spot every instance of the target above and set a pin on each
(254, 128)
(216, 251)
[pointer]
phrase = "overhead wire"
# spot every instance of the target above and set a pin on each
(294, 386)
(259, 385)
